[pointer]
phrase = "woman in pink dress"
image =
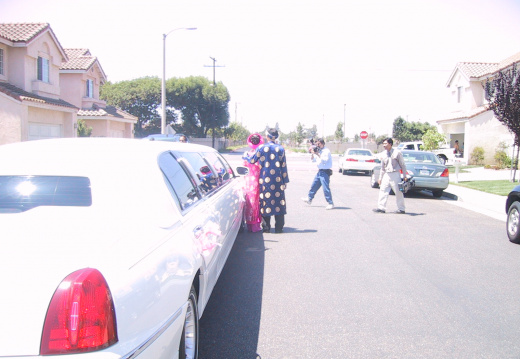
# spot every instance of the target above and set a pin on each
(252, 210)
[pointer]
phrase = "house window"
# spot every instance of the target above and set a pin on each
(43, 69)
(90, 88)
(1, 61)
(459, 94)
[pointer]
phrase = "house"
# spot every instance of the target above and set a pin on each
(43, 91)
(30, 103)
(470, 122)
(81, 77)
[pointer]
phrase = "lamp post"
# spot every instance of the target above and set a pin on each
(344, 128)
(163, 89)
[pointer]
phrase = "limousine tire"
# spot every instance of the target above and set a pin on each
(189, 345)
(242, 227)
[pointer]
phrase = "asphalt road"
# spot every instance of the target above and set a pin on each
(438, 282)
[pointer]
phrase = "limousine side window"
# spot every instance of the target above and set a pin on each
(179, 182)
(220, 168)
(226, 165)
(207, 181)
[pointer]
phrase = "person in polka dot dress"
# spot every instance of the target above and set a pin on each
(252, 188)
(273, 181)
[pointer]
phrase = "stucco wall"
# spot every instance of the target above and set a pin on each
(10, 124)
(71, 90)
(487, 132)
(43, 46)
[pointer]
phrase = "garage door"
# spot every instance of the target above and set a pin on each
(39, 131)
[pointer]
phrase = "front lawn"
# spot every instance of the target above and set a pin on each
(499, 187)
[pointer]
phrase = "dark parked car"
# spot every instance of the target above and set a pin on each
(513, 215)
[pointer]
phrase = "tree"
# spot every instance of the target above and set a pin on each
(300, 136)
(202, 105)
(380, 139)
(409, 131)
(400, 130)
(240, 133)
(313, 131)
(503, 95)
(432, 139)
(141, 98)
(83, 129)
(338, 135)
(193, 104)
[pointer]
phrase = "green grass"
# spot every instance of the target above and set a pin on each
(462, 169)
(499, 187)
(231, 149)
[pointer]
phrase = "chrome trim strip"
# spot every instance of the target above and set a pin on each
(134, 353)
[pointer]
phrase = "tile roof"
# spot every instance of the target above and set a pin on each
(109, 111)
(75, 53)
(509, 61)
(79, 59)
(481, 69)
(477, 69)
(21, 95)
(22, 32)
(463, 115)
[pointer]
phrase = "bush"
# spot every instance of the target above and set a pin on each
(501, 158)
(477, 156)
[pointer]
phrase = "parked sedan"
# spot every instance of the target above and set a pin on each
(513, 215)
(427, 170)
(356, 160)
(111, 247)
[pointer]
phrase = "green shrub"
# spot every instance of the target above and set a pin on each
(83, 129)
(501, 158)
(477, 156)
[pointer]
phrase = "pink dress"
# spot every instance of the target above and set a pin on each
(252, 209)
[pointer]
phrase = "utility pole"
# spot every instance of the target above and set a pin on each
(214, 65)
(213, 114)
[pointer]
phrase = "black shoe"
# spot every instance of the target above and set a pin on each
(378, 210)
(400, 212)
(266, 230)
(278, 231)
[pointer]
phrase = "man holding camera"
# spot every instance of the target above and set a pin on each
(392, 164)
(323, 157)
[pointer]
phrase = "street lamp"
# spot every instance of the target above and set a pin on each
(163, 89)
(344, 128)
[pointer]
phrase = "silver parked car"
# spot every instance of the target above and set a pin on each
(427, 170)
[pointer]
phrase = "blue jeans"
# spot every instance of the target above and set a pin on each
(321, 179)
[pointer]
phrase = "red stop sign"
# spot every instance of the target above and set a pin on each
(363, 135)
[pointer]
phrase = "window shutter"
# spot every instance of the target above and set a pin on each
(40, 75)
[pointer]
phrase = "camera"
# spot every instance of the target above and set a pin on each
(315, 149)
(405, 186)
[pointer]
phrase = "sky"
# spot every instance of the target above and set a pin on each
(363, 63)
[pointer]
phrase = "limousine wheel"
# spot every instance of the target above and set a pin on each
(189, 346)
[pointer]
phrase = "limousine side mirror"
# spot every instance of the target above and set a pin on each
(242, 171)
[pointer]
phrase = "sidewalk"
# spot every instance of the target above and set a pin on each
(485, 203)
